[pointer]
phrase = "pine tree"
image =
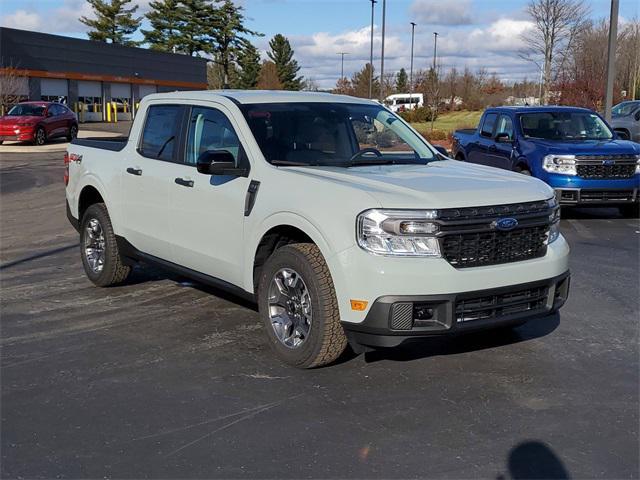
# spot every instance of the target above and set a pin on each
(197, 19)
(360, 82)
(249, 63)
(166, 18)
(281, 54)
(113, 22)
(402, 81)
(227, 35)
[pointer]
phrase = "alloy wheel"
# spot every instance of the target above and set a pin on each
(290, 308)
(94, 245)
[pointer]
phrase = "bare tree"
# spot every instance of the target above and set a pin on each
(556, 24)
(11, 82)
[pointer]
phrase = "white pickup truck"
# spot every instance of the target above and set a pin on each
(331, 212)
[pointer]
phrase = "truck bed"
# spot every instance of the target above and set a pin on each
(115, 144)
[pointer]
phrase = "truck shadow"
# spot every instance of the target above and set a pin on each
(590, 213)
(533, 459)
(470, 342)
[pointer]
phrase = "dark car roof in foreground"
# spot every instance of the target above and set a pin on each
(542, 109)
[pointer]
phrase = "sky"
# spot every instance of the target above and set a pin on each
(473, 33)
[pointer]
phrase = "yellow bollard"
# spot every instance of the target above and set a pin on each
(108, 112)
(115, 112)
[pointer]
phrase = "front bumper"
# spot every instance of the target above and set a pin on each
(23, 136)
(590, 196)
(393, 320)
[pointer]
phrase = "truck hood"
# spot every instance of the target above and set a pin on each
(588, 147)
(440, 184)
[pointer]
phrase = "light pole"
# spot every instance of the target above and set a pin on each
(384, 14)
(373, 2)
(413, 30)
(611, 58)
(342, 54)
(435, 49)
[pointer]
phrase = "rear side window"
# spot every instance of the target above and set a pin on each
(488, 124)
(160, 132)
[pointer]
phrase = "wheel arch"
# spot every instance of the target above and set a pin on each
(276, 231)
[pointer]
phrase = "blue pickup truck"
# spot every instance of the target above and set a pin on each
(571, 149)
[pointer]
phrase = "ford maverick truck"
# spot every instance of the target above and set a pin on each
(571, 149)
(333, 214)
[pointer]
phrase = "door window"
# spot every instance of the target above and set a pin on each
(505, 125)
(489, 123)
(210, 129)
(160, 132)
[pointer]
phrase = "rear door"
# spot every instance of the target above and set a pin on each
(206, 212)
(147, 173)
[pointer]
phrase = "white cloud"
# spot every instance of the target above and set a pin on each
(438, 12)
(22, 20)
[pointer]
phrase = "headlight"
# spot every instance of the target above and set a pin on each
(554, 218)
(637, 163)
(408, 233)
(564, 164)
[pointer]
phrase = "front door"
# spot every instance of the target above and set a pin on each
(504, 150)
(146, 176)
(206, 212)
(480, 152)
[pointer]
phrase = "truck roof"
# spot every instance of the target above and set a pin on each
(538, 109)
(262, 96)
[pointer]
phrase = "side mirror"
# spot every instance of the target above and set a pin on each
(503, 137)
(441, 149)
(219, 162)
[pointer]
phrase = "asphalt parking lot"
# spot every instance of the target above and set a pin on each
(164, 378)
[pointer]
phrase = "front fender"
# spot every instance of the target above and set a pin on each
(303, 224)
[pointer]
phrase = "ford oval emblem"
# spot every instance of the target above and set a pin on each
(505, 224)
(608, 162)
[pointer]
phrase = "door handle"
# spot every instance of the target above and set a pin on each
(184, 182)
(134, 171)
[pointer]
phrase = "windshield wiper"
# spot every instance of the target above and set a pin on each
(369, 161)
(287, 163)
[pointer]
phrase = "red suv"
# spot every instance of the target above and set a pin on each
(37, 122)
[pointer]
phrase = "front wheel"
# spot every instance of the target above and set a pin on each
(101, 259)
(299, 308)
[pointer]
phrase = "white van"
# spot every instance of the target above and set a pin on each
(404, 101)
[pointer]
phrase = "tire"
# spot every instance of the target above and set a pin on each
(630, 211)
(73, 132)
(40, 137)
(321, 339)
(460, 157)
(106, 266)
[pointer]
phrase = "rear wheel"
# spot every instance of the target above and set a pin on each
(40, 136)
(630, 211)
(299, 308)
(99, 250)
(73, 132)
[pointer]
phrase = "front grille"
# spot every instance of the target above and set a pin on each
(501, 304)
(593, 166)
(606, 171)
(468, 237)
(606, 195)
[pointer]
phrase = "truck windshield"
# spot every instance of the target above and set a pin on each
(564, 126)
(334, 134)
(27, 110)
